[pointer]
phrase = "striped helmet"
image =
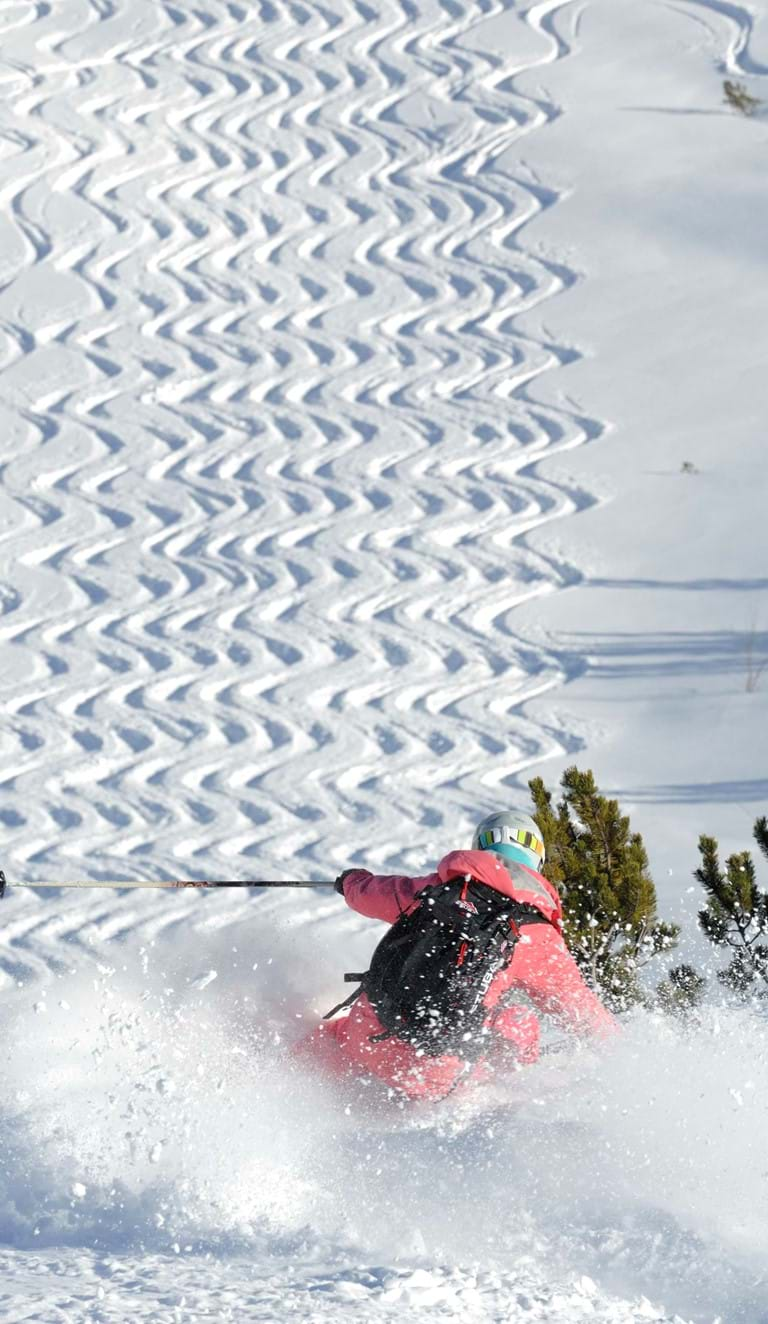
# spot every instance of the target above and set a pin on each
(513, 835)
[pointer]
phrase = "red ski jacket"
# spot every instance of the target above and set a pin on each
(542, 969)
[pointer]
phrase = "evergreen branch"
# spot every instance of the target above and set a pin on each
(736, 915)
(760, 833)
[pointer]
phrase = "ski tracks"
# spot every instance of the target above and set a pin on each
(742, 33)
(270, 435)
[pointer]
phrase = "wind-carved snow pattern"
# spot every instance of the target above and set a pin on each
(271, 438)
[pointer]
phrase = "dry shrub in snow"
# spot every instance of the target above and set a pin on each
(737, 96)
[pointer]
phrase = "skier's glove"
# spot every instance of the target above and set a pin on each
(339, 883)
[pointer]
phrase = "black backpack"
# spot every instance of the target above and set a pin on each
(432, 969)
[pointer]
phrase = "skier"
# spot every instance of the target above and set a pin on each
(419, 1022)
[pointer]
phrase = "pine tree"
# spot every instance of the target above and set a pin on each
(736, 914)
(600, 867)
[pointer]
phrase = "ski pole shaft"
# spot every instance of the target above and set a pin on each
(115, 883)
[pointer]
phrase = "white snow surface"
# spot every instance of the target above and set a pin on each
(351, 357)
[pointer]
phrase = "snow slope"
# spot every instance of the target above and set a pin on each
(669, 626)
(350, 356)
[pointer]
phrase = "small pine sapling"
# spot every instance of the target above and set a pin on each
(738, 98)
(736, 914)
(682, 992)
(601, 869)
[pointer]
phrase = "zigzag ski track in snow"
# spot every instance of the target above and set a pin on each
(272, 440)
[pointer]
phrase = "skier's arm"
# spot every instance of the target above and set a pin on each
(543, 968)
(382, 896)
(517, 1033)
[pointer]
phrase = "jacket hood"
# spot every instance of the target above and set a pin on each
(505, 876)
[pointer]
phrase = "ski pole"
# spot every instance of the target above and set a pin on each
(114, 883)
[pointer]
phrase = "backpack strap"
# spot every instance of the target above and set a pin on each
(348, 979)
(524, 913)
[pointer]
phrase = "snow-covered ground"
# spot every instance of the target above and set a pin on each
(351, 355)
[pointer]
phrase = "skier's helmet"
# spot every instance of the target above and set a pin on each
(513, 835)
